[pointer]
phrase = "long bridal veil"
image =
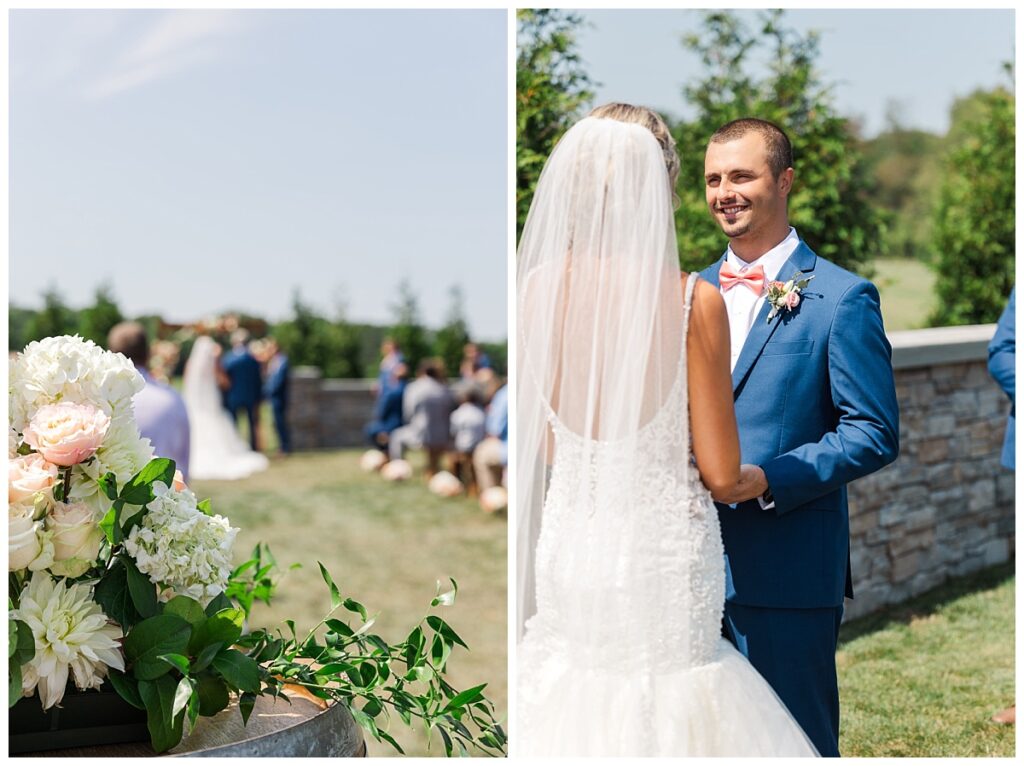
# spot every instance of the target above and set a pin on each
(600, 323)
(217, 450)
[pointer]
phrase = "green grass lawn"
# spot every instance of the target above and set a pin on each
(924, 678)
(386, 545)
(906, 288)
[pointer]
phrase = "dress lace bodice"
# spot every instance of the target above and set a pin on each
(632, 576)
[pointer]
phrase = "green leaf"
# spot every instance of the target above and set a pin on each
(219, 602)
(25, 643)
(12, 637)
(213, 694)
(163, 634)
(355, 606)
(177, 661)
(205, 506)
(222, 629)
(141, 588)
(206, 656)
(186, 608)
(107, 524)
(413, 646)
(239, 670)
(462, 698)
(246, 702)
(14, 692)
(182, 694)
(335, 594)
(448, 597)
(139, 490)
(108, 483)
(113, 595)
(164, 727)
(126, 687)
(445, 630)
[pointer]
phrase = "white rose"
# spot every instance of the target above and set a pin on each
(76, 538)
(30, 476)
(28, 546)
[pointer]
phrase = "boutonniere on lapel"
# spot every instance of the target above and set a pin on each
(785, 296)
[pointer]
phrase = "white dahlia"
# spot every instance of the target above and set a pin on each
(180, 548)
(71, 633)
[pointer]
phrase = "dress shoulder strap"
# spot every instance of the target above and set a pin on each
(691, 283)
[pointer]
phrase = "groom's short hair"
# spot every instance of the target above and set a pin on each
(129, 338)
(780, 150)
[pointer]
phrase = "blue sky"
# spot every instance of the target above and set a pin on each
(203, 160)
(918, 59)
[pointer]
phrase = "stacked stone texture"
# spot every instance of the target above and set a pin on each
(946, 506)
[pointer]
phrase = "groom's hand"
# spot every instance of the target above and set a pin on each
(753, 483)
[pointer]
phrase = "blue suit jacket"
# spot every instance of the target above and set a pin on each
(275, 388)
(1002, 352)
(816, 408)
(244, 372)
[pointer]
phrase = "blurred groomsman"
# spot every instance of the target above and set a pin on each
(276, 390)
(244, 382)
(1002, 353)
(159, 409)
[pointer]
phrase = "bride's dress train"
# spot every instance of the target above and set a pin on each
(624, 655)
(217, 450)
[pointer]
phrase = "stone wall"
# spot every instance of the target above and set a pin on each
(946, 506)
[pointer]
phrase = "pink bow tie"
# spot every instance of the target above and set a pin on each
(753, 278)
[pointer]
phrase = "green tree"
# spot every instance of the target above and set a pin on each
(408, 331)
(975, 217)
(95, 321)
(830, 204)
(18, 321)
(345, 347)
(452, 338)
(552, 90)
(55, 318)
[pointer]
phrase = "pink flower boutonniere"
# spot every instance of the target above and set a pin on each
(785, 296)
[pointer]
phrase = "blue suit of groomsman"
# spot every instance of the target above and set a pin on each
(816, 408)
(275, 388)
(245, 388)
(1002, 353)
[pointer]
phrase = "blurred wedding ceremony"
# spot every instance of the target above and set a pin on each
(293, 225)
(902, 131)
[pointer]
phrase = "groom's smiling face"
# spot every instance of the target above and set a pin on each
(743, 195)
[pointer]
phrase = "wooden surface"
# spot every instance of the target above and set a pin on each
(305, 727)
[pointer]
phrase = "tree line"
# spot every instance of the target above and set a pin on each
(339, 347)
(945, 200)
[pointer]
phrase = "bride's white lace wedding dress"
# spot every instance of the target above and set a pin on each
(624, 655)
(217, 450)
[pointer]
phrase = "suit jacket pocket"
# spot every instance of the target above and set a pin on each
(788, 348)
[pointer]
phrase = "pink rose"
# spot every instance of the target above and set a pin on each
(792, 301)
(67, 434)
(777, 285)
(29, 475)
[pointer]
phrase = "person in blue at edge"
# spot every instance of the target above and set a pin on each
(816, 408)
(245, 387)
(387, 413)
(275, 388)
(1002, 355)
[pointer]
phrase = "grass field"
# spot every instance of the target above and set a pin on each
(906, 289)
(386, 545)
(924, 678)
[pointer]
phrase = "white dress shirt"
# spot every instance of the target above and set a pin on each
(741, 305)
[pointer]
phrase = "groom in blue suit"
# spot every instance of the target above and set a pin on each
(816, 408)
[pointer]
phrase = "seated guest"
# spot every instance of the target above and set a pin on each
(425, 407)
(159, 409)
(491, 456)
(467, 429)
(387, 413)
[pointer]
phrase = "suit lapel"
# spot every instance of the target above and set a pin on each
(802, 259)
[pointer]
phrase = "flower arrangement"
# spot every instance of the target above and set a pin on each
(119, 572)
(785, 296)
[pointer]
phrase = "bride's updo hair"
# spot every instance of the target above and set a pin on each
(653, 121)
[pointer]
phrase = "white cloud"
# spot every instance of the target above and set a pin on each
(178, 40)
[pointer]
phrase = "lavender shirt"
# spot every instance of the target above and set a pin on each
(162, 418)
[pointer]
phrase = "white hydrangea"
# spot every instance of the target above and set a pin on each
(13, 442)
(123, 452)
(68, 368)
(180, 548)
